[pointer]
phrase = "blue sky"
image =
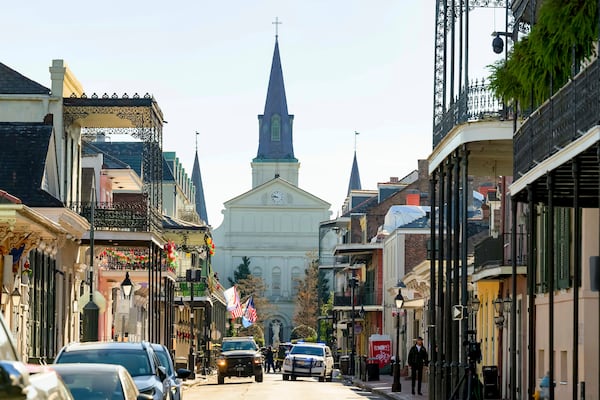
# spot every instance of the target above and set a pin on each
(348, 66)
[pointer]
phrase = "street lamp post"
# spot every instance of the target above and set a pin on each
(353, 284)
(91, 311)
(396, 385)
(126, 288)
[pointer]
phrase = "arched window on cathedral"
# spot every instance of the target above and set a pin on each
(276, 282)
(275, 128)
(295, 281)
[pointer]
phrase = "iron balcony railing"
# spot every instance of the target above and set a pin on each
(121, 216)
(476, 103)
(571, 112)
(495, 252)
(362, 296)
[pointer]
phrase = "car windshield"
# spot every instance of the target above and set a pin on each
(136, 362)
(163, 357)
(92, 385)
(238, 345)
(308, 350)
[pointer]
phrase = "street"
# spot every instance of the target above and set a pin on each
(273, 387)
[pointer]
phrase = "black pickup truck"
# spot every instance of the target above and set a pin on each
(240, 357)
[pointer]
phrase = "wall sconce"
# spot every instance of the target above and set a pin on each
(474, 304)
(499, 305)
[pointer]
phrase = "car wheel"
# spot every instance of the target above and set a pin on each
(258, 378)
(220, 379)
(286, 377)
(322, 378)
(293, 377)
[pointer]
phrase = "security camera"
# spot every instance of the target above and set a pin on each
(498, 44)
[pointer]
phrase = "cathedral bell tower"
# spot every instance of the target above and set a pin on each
(275, 157)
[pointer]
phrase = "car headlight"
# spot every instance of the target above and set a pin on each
(150, 390)
(221, 362)
(318, 363)
(287, 361)
(257, 360)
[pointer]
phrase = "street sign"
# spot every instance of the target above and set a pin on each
(457, 312)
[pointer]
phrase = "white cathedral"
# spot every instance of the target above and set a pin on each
(275, 224)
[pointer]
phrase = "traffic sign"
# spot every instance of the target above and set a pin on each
(457, 312)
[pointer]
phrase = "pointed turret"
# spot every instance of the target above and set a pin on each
(354, 183)
(275, 125)
(197, 181)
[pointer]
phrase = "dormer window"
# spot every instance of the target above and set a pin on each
(275, 128)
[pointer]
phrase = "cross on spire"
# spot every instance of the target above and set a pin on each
(276, 23)
(355, 135)
(197, 134)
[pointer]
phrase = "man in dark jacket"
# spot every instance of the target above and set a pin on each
(417, 358)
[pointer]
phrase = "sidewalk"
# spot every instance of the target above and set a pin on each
(383, 387)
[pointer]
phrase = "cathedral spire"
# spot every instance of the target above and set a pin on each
(197, 181)
(354, 183)
(275, 125)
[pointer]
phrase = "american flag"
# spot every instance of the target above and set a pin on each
(250, 310)
(233, 302)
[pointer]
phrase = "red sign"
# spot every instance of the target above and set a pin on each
(381, 350)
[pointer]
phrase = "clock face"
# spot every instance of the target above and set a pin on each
(277, 197)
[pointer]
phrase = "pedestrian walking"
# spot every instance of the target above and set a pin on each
(269, 360)
(417, 359)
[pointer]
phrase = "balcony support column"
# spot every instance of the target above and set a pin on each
(467, 192)
(447, 229)
(551, 270)
(531, 279)
(432, 327)
(577, 272)
(513, 314)
(440, 292)
(456, 219)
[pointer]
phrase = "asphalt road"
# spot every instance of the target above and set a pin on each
(275, 388)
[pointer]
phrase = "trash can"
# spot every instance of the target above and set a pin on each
(344, 364)
(372, 369)
(491, 390)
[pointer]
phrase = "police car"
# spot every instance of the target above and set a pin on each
(308, 360)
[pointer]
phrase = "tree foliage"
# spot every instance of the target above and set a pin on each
(306, 311)
(242, 272)
(255, 286)
(563, 37)
(256, 331)
(304, 332)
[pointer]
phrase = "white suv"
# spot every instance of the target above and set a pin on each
(308, 359)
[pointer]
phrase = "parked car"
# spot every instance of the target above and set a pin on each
(137, 357)
(99, 382)
(240, 357)
(174, 377)
(16, 381)
(310, 360)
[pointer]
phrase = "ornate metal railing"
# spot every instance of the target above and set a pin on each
(476, 103)
(361, 297)
(571, 112)
(494, 252)
(121, 216)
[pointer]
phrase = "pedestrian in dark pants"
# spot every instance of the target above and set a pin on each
(417, 359)
(269, 360)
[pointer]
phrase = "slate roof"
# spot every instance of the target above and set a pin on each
(110, 162)
(12, 82)
(128, 153)
(23, 153)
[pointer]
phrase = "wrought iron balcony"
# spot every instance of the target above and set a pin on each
(495, 252)
(571, 112)
(476, 103)
(366, 297)
(121, 216)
